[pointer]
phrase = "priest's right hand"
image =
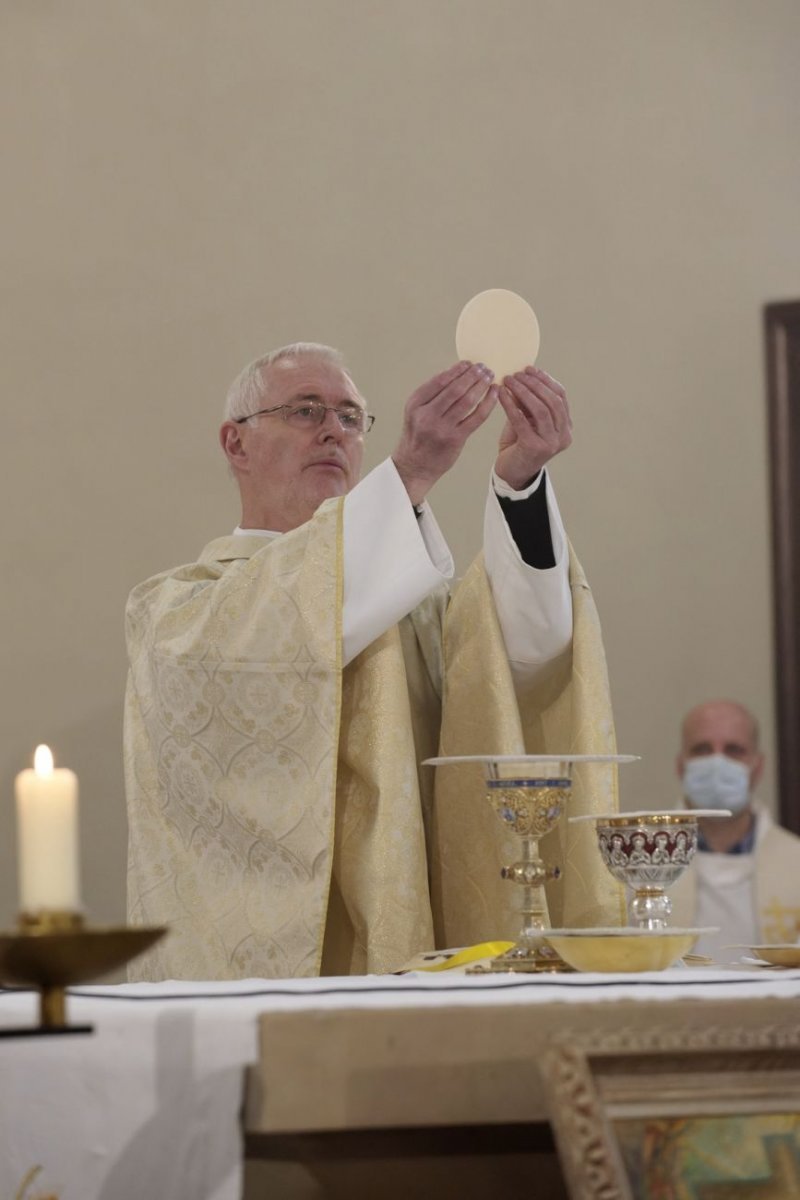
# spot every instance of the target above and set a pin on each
(439, 418)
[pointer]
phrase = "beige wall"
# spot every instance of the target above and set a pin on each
(186, 185)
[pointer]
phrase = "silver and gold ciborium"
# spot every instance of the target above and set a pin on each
(529, 794)
(648, 852)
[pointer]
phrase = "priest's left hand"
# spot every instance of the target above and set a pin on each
(538, 425)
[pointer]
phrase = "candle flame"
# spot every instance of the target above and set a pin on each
(43, 760)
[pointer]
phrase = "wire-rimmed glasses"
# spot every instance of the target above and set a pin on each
(351, 417)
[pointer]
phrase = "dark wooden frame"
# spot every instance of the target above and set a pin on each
(782, 334)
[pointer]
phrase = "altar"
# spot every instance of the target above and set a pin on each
(341, 1079)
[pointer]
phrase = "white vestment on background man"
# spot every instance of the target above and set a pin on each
(753, 899)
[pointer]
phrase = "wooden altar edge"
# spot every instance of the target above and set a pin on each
(411, 1068)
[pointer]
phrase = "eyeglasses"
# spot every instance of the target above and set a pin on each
(312, 412)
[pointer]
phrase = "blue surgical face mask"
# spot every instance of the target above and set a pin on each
(716, 781)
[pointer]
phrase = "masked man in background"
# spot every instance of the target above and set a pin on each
(284, 689)
(745, 877)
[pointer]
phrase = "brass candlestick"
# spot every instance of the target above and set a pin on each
(52, 950)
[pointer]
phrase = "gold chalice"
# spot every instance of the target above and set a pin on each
(529, 793)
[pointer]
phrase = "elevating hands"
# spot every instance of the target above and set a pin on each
(439, 417)
(444, 412)
(538, 425)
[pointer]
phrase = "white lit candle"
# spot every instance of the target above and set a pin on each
(47, 836)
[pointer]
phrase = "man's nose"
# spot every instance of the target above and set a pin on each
(331, 425)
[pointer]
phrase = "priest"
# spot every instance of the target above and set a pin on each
(285, 687)
(744, 883)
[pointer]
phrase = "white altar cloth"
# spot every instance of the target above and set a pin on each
(149, 1105)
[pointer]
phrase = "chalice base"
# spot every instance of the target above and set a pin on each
(535, 959)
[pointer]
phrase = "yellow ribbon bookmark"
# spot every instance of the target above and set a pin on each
(468, 955)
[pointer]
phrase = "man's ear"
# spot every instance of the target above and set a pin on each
(756, 771)
(230, 438)
(680, 763)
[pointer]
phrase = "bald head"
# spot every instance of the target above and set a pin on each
(718, 721)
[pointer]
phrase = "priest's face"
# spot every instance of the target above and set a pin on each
(287, 468)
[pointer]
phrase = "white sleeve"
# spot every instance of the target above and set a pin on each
(392, 558)
(534, 605)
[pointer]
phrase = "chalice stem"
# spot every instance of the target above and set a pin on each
(534, 909)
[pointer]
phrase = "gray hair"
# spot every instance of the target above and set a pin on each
(249, 389)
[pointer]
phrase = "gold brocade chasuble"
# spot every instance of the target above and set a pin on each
(277, 818)
(568, 712)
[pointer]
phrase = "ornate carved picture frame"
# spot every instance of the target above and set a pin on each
(712, 1113)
